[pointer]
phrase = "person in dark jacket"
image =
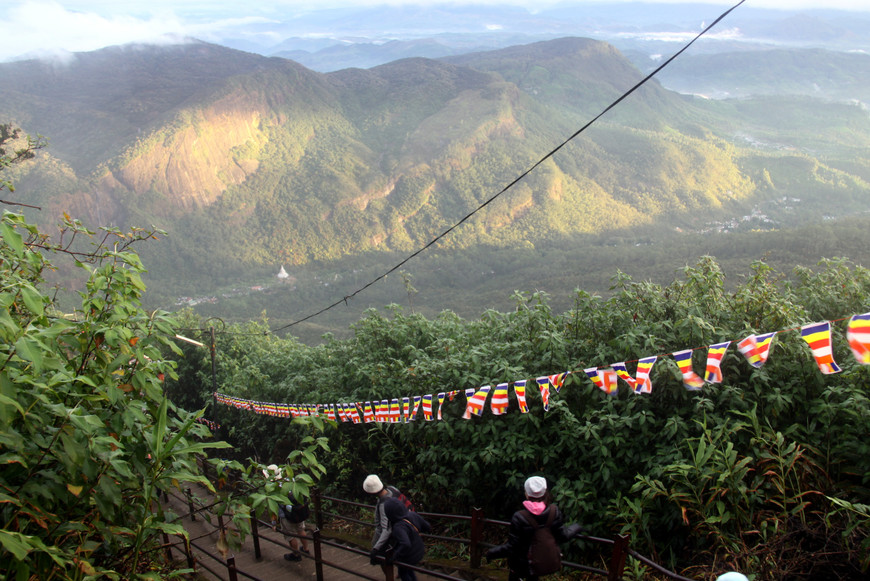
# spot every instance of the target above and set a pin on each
(405, 538)
(521, 532)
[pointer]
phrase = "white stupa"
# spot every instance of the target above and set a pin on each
(282, 274)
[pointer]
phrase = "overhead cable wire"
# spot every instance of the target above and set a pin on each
(520, 177)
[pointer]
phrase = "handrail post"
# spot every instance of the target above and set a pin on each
(168, 546)
(191, 563)
(255, 533)
(476, 536)
(231, 568)
(318, 557)
(617, 559)
(318, 509)
(189, 495)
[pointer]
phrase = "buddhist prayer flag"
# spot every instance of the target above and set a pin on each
(476, 401)
(544, 386)
(818, 337)
(395, 411)
(427, 407)
(644, 367)
(641, 383)
(756, 348)
(604, 379)
(715, 353)
(763, 344)
(441, 397)
(691, 380)
(382, 411)
(330, 412)
(858, 336)
(352, 413)
(520, 391)
(624, 375)
(416, 406)
(557, 380)
(469, 393)
(367, 411)
(499, 402)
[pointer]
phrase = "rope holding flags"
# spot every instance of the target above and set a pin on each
(755, 348)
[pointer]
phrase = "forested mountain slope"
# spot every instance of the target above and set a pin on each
(265, 161)
(251, 162)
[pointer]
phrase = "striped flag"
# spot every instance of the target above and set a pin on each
(427, 407)
(604, 379)
(395, 411)
(544, 386)
(624, 375)
(858, 336)
(715, 353)
(352, 413)
(416, 406)
(499, 402)
(406, 409)
(644, 368)
(764, 343)
(756, 348)
(691, 380)
(641, 382)
(330, 412)
(441, 397)
(469, 393)
(520, 391)
(367, 411)
(382, 411)
(818, 337)
(476, 401)
(557, 380)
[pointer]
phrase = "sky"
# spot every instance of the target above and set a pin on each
(53, 27)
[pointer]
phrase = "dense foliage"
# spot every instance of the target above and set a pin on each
(87, 437)
(764, 472)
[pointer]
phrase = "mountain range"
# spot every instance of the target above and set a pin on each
(252, 162)
(331, 39)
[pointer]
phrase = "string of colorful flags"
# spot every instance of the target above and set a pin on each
(755, 348)
(209, 423)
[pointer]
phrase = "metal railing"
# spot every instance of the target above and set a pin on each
(618, 547)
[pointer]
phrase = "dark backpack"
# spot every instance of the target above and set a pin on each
(298, 511)
(398, 494)
(544, 554)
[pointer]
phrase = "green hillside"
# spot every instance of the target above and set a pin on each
(250, 163)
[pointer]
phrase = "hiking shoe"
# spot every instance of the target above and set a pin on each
(292, 557)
